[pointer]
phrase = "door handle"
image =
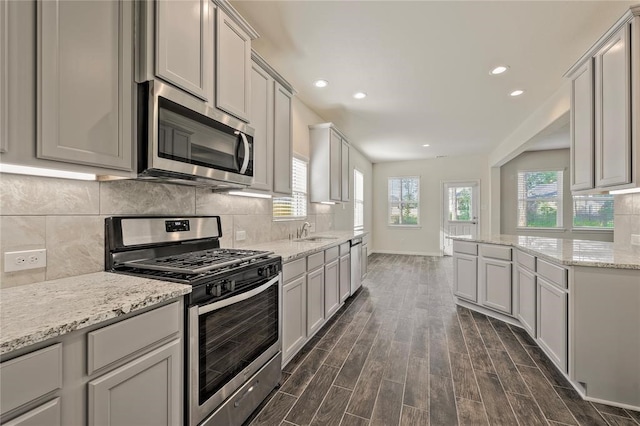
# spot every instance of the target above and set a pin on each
(245, 163)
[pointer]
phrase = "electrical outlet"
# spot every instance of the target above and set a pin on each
(22, 260)
(635, 239)
(241, 235)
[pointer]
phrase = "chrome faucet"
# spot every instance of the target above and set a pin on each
(303, 231)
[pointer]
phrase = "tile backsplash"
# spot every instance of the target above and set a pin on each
(67, 218)
(626, 220)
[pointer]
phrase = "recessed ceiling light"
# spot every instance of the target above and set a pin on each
(499, 69)
(426, 145)
(516, 92)
(360, 95)
(321, 83)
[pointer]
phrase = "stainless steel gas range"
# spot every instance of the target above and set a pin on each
(233, 357)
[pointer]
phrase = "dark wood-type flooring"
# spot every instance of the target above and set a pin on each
(402, 353)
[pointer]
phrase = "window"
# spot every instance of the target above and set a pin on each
(460, 203)
(593, 211)
(294, 207)
(404, 200)
(540, 199)
(358, 200)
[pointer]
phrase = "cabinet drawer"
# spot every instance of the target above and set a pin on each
(495, 252)
(526, 260)
(315, 260)
(114, 342)
(465, 247)
(345, 249)
(46, 414)
(555, 274)
(294, 269)
(331, 254)
(30, 376)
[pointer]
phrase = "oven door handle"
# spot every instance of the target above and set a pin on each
(235, 299)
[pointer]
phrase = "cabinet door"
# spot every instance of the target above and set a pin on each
(465, 276)
(233, 67)
(552, 322)
(495, 284)
(345, 277)
(146, 391)
(294, 316)
(613, 111)
(527, 300)
(315, 301)
(282, 140)
(582, 145)
(365, 260)
(335, 166)
(345, 171)
(184, 50)
(85, 95)
(331, 288)
(46, 414)
(262, 123)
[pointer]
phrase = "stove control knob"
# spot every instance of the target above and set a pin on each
(215, 291)
(262, 272)
(229, 285)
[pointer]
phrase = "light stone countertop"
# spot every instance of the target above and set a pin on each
(292, 249)
(36, 312)
(599, 254)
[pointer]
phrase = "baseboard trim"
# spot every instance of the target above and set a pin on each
(409, 253)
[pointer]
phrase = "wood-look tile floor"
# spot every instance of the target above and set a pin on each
(402, 353)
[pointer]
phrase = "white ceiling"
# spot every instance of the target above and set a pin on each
(425, 65)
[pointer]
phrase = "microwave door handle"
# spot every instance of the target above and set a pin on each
(245, 162)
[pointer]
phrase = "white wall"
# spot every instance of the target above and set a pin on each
(425, 240)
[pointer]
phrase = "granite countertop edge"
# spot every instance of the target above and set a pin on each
(291, 250)
(74, 303)
(607, 246)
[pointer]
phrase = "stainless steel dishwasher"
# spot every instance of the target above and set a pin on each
(356, 265)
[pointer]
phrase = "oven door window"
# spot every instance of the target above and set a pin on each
(189, 137)
(234, 336)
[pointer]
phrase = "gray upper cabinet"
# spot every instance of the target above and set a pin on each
(582, 144)
(262, 123)
(233, 67)
(184, 45)
(613, 111)
(85, 82)
(271, 97)
(605, 93)
(282, 140)
(329, 164)
(145, 391)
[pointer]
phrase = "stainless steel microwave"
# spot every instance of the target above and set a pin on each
(183, 140)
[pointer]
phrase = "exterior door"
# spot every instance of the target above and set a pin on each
(460, 211)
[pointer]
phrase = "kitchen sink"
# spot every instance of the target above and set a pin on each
(316, 239)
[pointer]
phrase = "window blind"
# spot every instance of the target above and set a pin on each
(296, 205)
(540, 199)
(593, 211)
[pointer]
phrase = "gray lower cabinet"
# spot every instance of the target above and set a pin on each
(552, 321)
(128, 371)
(345, 277)
(294, 316)
(526, 284)
(465, 276)
(46, 414)
(495, 284)
(145, 391)
(365, 260)
(331, 288)
(315, 301)
(85, 96)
